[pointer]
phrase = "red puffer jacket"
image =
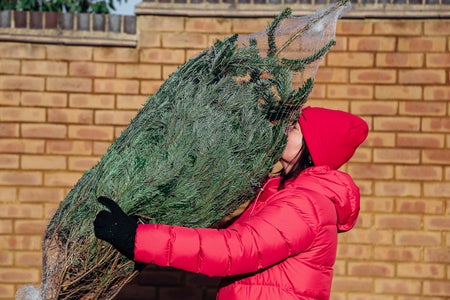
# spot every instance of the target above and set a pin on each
(282, 247)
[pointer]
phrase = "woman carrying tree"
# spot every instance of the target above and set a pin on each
(283, 246)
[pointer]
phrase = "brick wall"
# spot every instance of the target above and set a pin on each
(61, 106)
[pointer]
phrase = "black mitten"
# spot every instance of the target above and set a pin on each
(116, 227)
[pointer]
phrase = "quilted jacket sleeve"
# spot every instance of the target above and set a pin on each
(272, 233)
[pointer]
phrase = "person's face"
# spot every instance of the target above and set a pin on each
(294, 144)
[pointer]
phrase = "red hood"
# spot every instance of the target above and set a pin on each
(339, 187)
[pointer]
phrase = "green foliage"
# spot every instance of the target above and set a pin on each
(76, 6)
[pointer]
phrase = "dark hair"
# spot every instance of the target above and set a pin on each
(304, 162)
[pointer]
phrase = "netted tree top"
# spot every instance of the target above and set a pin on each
(199, 148)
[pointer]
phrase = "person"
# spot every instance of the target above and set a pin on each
(283, 246)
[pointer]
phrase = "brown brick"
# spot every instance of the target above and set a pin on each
(82, 163)
(8, 161)
(397, 286)
(420, 140)
(20, 242)
(350, 59)
(102, 133)
(106, 117)
(371, 269)
(436, 156)
(377, 204)
(6, 227)
(9, 130)
(8, 194)
(22, 50)
(69, 84)
(21, 114)
(437, 254)
(91, 101)
(9, 98)
(44, 68)
(319, 92)
(436, 27)
(417, 238)
(19, 275)
(69, 147)
(168, 70)
(398, 92)
(407, 124)
(373, 76)
(438, 189)
(374, 107)
(6, 259)
(419, 206)
(441, 223)
(251, 25)
(371, 43)
(21, 146)
(39, 162)
(21, 83)
(131, 102)
(396, 222)
(423, 108)
(149, 39)
(115, 55)
(70, 116)
(208, 25)
(43, 99)
(7, 291)
(28, 259)
(350, 91)
(91, 69)
(397, 188)
(354, 251)
(162, 23)
(362, 296)
(40, 194)
(51, 131)
(352, 284)
(369, 236)
(61, 179)
(160, 56)
(418, 173)
(422, 44)
(438, 60)
(68, 53)
(354, 27)
(397, 254)
(422, 76)
(117, 86)
(398, 59)
(380, 139)
(150, 87)
(436, 287)
(20, 178)
(371, 171)
(365, 187)
(397, 27)
(331, 75)
(51, 208)
(9, 67)
(436, 125)
(30, 226)
(139, 71)
(436, 93)
(100, 148)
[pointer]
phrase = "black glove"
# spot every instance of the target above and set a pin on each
(116, 227)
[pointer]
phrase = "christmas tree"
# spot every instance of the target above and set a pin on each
(199, 148)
